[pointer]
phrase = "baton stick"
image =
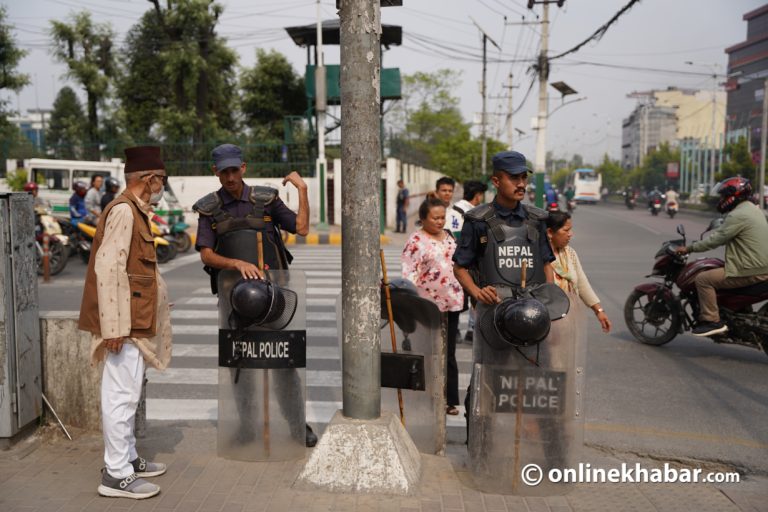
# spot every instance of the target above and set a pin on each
(522, 274)
(265, 384)
(519, 408)
(391, 328)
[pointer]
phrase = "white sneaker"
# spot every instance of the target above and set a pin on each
(128, 487)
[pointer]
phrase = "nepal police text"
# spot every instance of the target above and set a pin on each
(262, 349)
(512, 256)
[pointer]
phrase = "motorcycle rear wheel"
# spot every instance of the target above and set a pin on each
(165, 253)
(653, 323)
(764, 313)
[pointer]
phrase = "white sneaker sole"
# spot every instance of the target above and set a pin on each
(719, 330)
(117, 493)
(148, 474)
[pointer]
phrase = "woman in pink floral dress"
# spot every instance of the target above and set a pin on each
(427, 263)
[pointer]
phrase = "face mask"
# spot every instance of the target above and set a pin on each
(154, 197)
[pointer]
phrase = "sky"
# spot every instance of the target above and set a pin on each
(647, 48)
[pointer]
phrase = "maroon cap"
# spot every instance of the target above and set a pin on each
(143, 158)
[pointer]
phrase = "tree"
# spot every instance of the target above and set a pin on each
(10, 55)
(271, 90)
(67, 127)
(614, 177)
(142, 86)
(430, 128)
(86, 48)
(739, 161)
(652, 172)
(200, 70)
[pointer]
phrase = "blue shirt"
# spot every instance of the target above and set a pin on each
(77, 208)
(282, 216)
(468, 251)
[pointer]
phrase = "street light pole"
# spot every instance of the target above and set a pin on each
(763, 135)
(483, 91)
(320, 107)
(540, 164)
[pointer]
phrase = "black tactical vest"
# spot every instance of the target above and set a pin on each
(237, 238)
(508, 246)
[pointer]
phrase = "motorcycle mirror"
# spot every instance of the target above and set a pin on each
(681, 230)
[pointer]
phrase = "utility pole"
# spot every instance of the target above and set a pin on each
(763, 130)
(320, 107)
(540, 164)
(510, 130)
(360, 300)
(714, 143)
(483, 91)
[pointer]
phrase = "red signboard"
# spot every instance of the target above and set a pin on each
(673, 170)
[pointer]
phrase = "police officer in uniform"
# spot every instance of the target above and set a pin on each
(230, 219)
(497, 240)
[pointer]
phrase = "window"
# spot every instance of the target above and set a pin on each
(52, 179)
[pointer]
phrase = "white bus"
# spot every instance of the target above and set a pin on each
(586, 185)
(56, 177)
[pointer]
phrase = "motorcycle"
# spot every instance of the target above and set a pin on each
(570, 205)
(165, 248)
(655, 206)
(177, 229)
(58, 243)
(671, 210)
(553, 207)
(655, 313)
(629, 201)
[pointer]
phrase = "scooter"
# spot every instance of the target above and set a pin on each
(177, 229)
(570, 205)
(655, 313)
(671, 210)
(629, 201)
(164, 243)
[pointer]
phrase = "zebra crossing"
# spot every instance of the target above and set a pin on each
(188, 389)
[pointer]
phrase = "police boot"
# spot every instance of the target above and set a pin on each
(311, 437)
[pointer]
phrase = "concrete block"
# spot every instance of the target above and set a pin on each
(70, 383)
(365, 457)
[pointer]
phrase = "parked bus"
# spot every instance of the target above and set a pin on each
(56, 177)
(586, 184)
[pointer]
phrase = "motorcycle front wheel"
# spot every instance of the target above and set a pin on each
(165, 253)
(654, 322)
(57, 259)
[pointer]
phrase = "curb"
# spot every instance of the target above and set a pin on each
(323, 239)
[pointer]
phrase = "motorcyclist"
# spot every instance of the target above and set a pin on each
(77, 210)
(39, 202)
(112, 186)
(653, 195)
(672, 197)
(629, 195)
(745, 236)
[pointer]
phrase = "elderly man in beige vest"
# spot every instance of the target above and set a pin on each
(125, 307)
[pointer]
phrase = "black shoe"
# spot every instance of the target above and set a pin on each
(311, 437)
(705, 329)
(469, 337)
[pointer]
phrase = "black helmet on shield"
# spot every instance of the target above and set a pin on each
(522, 322)
(258, 302)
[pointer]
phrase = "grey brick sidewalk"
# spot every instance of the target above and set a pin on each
(60, 475)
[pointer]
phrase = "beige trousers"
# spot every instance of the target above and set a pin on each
(708, 282)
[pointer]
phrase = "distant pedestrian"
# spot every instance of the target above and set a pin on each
(427, 263)
(93, 199)
(401, 207)
(569, 275)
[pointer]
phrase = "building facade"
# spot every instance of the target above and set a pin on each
(646, 128)
(747, 71)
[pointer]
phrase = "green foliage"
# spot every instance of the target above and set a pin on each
(614, 177)
(67, 127)
(738, 161)
(560, 177)
(652, 172)
(199, 70)
(10, 55)
(86, 48)
(271, 90)
(430, 129)
(16, 179)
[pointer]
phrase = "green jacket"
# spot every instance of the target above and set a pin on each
(745, 236)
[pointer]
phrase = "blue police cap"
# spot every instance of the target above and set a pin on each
(227, 155)
(510, 162)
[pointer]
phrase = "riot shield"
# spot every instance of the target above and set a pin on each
(262, 375)
(526, 406)
(417, 369)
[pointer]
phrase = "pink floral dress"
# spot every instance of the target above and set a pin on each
(428, 263)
